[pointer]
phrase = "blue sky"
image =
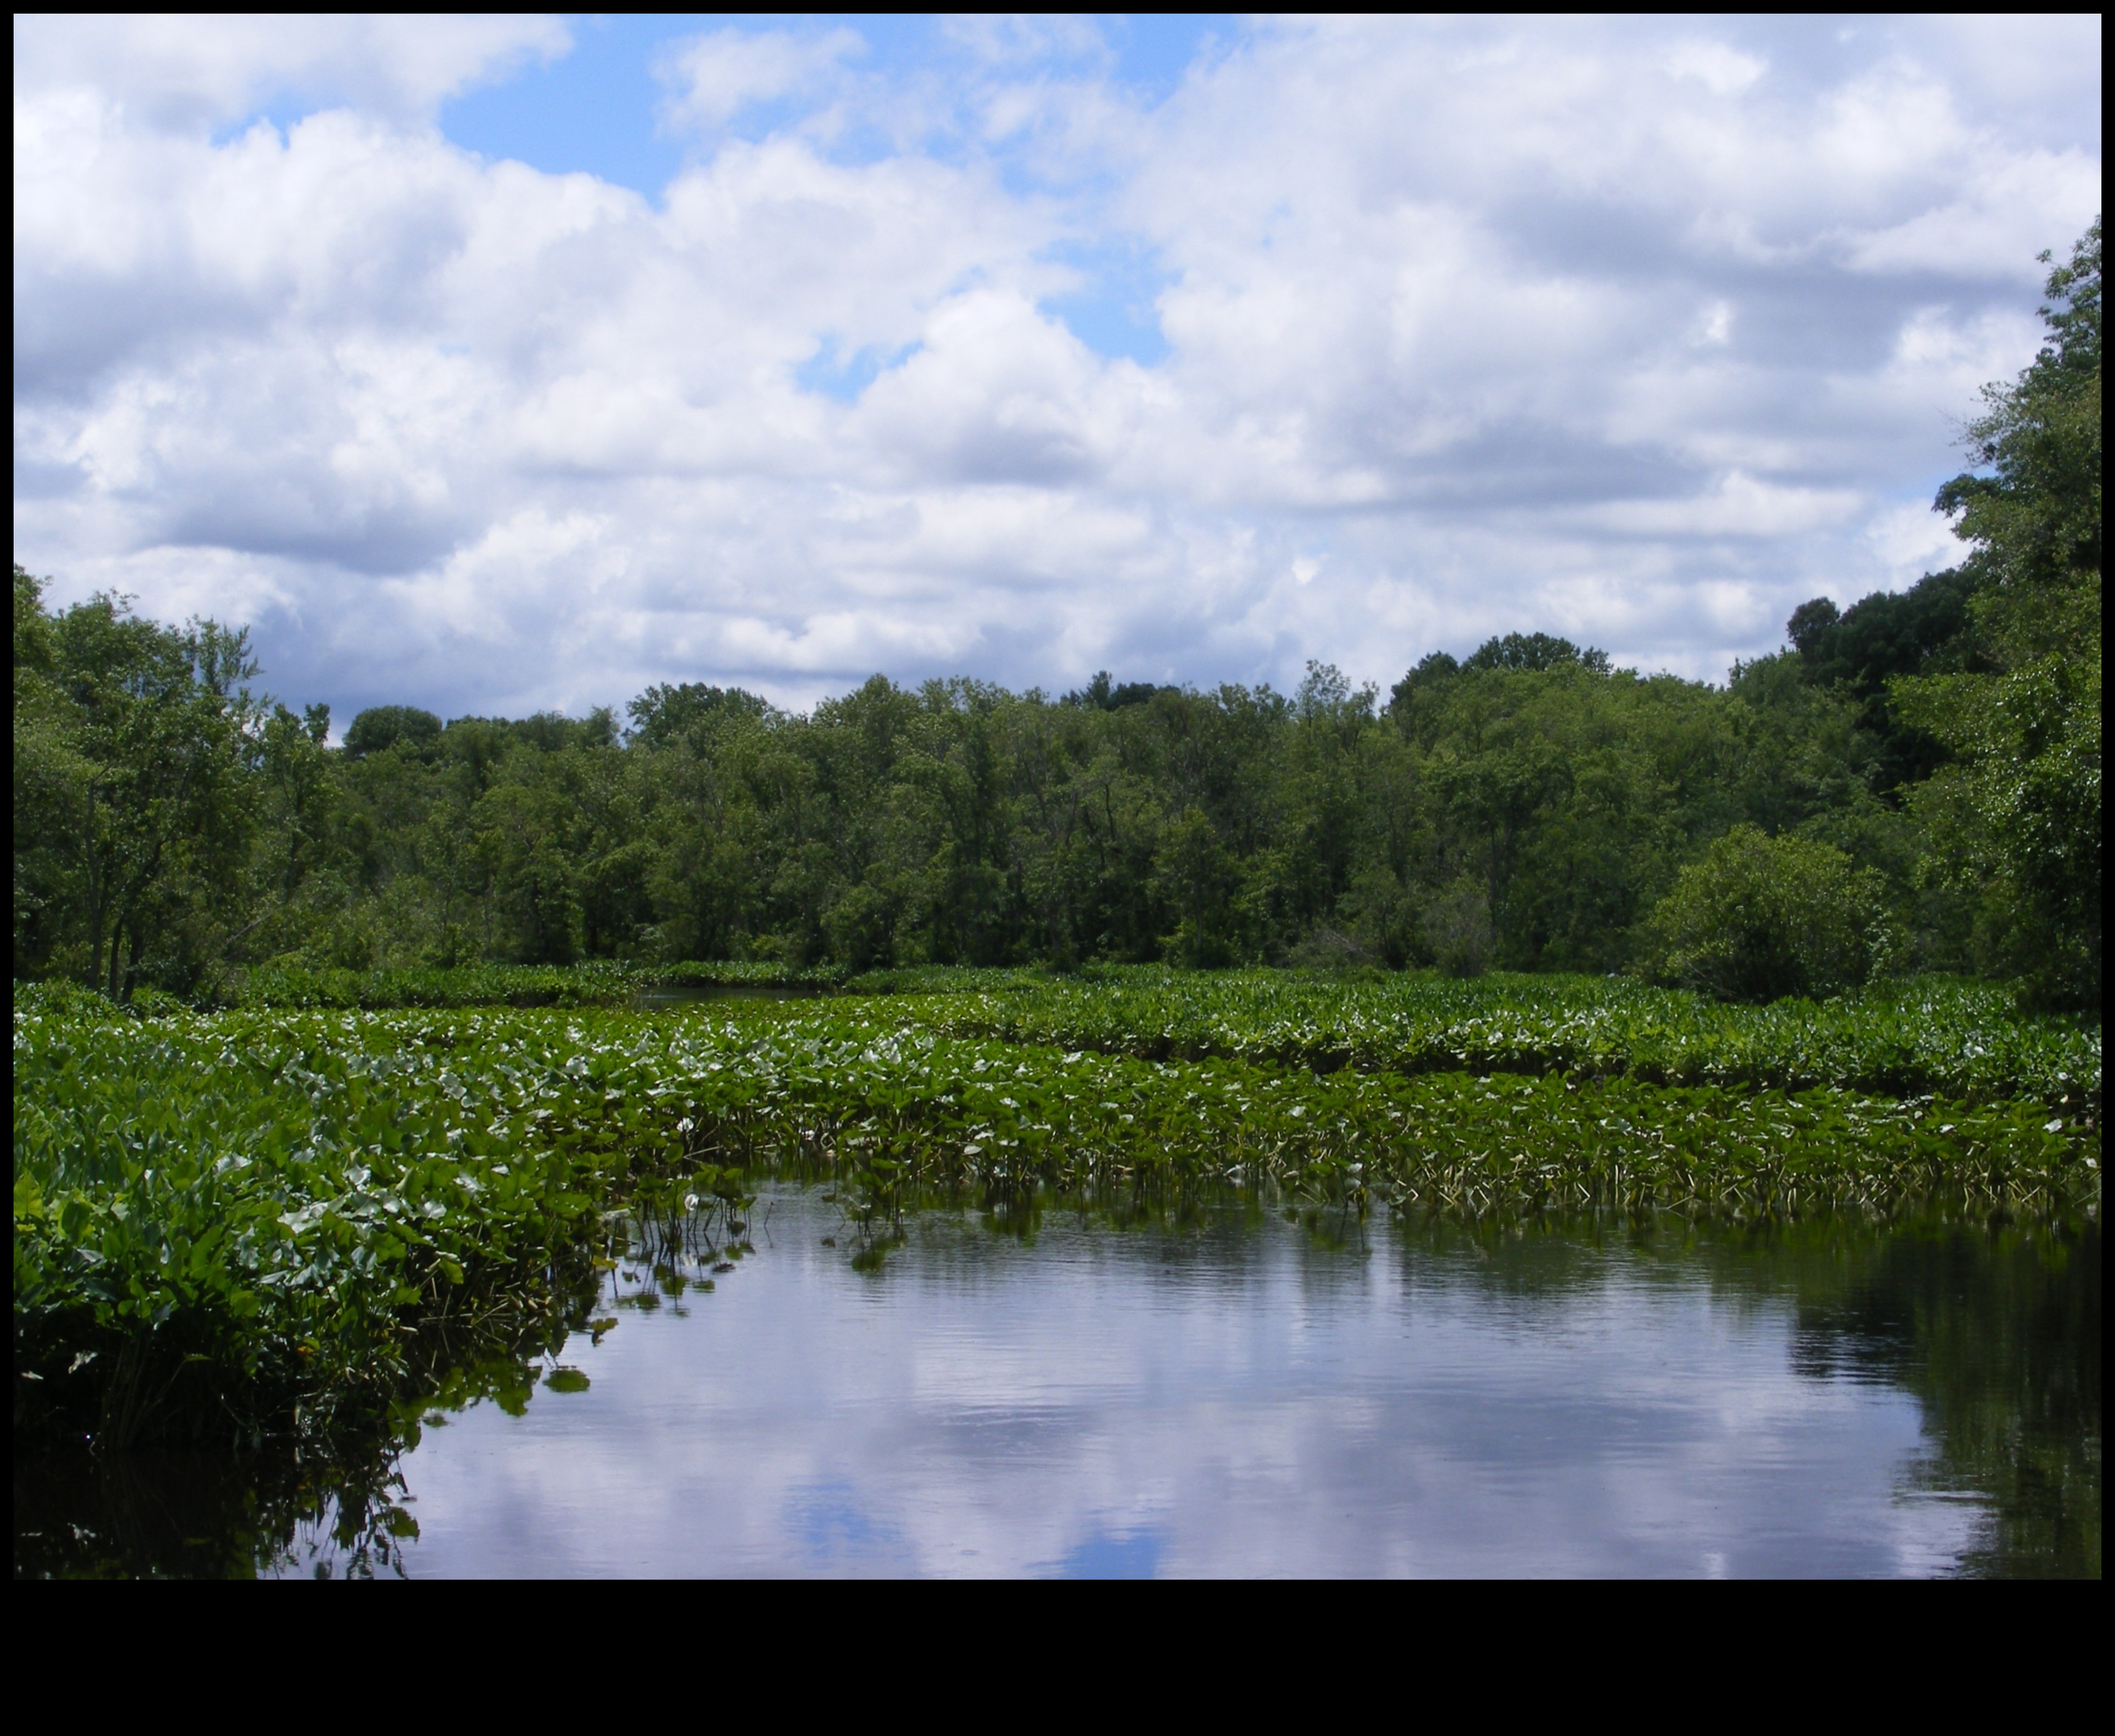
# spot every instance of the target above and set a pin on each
(494, 363)
(597, 109)
(594, 107)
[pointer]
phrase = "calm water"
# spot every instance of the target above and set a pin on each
(1247, 1396)
(673, 996)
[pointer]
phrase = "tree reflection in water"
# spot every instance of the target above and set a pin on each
(1994, 1329)
(1997, 1333)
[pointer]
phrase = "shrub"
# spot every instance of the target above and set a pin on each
(1760, 918)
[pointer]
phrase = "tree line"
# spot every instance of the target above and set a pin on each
(1912, 784)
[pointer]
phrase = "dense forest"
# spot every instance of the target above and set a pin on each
(1913, 783)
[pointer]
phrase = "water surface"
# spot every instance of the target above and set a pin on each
(1242, 1396)
(679, 995)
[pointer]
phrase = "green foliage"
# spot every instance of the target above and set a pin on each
(134, 754)
(1524, 811)
(1958, 1039)
(2015, 820)
(466, 985)
(2033, 522)
(1886, 635)
(953, 979)
(596, 983)
(253, 1221)
(1534, 651)
(225, 1228)
(381, 728)
(1961, 1039)
(1105, 693)
(665, 715)
(1923, 630)
(1456, 924)
(1760, 918)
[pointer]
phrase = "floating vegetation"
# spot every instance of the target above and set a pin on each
(1928, 1034)
(599, 984)
(284, 1221)
(1962, 1038)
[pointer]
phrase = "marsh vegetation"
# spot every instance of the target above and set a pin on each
(264, 1220)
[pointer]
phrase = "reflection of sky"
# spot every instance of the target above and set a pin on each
(1107, 1405)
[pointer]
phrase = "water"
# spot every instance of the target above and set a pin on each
(667, 995)
(1243, 1395)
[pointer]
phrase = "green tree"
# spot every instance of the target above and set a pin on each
(1197, 878)
(50, 780)
(1761, 917)
(135, 744)
(1859, 652)
(382, 726)
(2015, 818)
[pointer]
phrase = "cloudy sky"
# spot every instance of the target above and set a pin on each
(506, 363)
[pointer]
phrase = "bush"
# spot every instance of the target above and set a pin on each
(1760, 918)
(59, 997)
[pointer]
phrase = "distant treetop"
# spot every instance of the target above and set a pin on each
(1535, 652)
(380, 728)
(667, 712)
(1102, 694)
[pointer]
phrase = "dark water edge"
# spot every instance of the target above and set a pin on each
(673, 994)
(1063, 1396)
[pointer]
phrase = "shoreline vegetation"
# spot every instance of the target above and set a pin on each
(340, 1077)
(1922, 1036)
(291, 1221)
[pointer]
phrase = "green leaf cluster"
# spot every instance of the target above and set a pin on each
(282, 1220)
(1762, 918)
(2015, 816)
(1957, 1039)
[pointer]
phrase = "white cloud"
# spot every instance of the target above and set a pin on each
(1620, 330)
(714, 78)
(1721, 70)
(1994, 228)
(183, 71)
(1738, 505)
(1910, 540)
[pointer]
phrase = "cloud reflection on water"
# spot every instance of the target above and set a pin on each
(1228, 1402)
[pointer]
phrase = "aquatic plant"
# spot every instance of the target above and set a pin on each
(1926, 1035)
(253, 1219)
(598, 983)
(1930, 1035)
(228, 1227)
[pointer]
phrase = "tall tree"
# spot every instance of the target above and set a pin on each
(136, 746)
(2017, 816)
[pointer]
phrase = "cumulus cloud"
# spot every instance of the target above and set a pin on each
(1635, 331)
(180, 72)
(714, 78)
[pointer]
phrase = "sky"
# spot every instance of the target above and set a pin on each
(503, 364)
